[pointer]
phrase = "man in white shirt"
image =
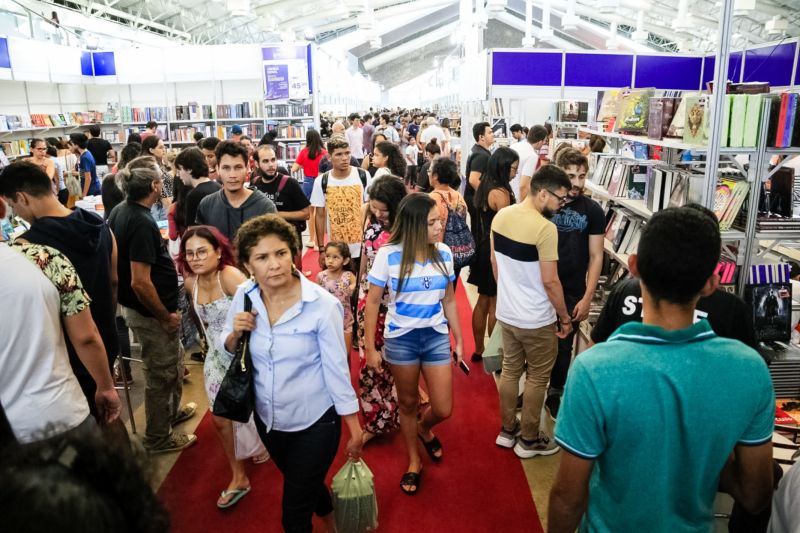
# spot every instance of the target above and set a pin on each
(525, 151)
(433, 131)
(387, 129)
(355, 137)
(338, 196)
(518, 133)
(537, 136)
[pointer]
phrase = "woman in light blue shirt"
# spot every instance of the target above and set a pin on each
(302, 380)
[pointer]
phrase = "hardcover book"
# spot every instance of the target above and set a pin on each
(752, 119)
(694, 131)
(771, 307)
(633, 112)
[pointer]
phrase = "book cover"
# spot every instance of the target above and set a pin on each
(752, 119)
(637, 182)
(771, 307)
(617, 178)
(738, 117)
(686, 188)
(622, 230)
(655, 188)
(675, 129)
(695, 121)
(634, 244)
(668, 112)
(727, 104)
(633, 112)
(781, 121)
(791, 111)
(795, 140)
(633, 228)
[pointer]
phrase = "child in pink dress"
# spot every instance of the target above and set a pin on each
(339, 280)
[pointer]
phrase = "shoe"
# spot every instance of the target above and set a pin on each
(198, 357)
(433, 447)
(176, 443)
(410, 479)
(237, 494)
(553, 403)
(185, 413)
(477, 357)
(541, 446)
(507, 439)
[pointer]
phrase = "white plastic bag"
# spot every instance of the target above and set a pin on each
(246, 442)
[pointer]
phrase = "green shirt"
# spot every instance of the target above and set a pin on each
(659, 412)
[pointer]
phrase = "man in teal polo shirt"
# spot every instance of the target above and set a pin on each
(664, 414)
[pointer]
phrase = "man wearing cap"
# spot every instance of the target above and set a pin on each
(236, 133)
(355, 137)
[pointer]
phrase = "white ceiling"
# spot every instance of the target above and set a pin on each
(370, 29)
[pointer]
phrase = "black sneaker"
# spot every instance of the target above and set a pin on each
(476, 357)
(553, 402)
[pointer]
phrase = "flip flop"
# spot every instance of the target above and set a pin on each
(408, 479)
(238, 494)
(432, 446)
(261, 459)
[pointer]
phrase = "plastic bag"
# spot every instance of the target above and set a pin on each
(493, 354)
(246, 442)
(354, 504)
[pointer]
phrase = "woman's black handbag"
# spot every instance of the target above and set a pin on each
(236, 397)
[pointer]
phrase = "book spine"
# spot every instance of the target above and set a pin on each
(782, 121)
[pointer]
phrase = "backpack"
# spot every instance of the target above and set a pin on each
(362, 174)
(458, 237)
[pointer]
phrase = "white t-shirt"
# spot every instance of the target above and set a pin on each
(419, 302)
(37, 386)
(431, 132)
(355, 138)
(527, 166)
(412, 153)
(342, 203)
(786, 503)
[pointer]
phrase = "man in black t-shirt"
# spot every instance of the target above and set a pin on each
(476, 166)
(283, 190)
(193, 170)
(148, 293)
(581, 225)
(99, 148)
(728, 315)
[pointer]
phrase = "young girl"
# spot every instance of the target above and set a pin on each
(339, 280)
(418, 271)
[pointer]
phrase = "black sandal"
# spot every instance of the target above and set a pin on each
(410, 479)
(432, 446)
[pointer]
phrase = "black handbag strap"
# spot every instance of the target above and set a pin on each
(242, 349)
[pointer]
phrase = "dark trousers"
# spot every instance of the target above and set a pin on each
(63, 196)
(304, 458)
(558, 376)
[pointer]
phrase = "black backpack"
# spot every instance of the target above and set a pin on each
(362, 174)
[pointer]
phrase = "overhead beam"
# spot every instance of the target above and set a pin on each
(412, 45)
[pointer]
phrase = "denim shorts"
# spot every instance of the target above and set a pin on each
(308, 186)
(424, 346)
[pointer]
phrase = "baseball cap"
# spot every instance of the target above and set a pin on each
(236, 130)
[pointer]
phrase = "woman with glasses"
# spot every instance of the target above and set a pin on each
(493, 194)
(40, 158)
(206, 261)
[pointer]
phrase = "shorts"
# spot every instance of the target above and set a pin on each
(422, 346)
(308, 186)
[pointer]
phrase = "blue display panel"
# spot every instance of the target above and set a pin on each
(598, 70)
(772, 64)
(734, 68)
(526, 68)
(5, 59)
(104, 64)
(668, 72)
(86, 64)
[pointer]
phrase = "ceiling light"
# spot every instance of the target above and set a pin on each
(569, 22)
(375, 43)
(528, 42)
(239, 8)
(309, 34)
(496, 6)
(608, 7)
(777, 26)
(741, 7)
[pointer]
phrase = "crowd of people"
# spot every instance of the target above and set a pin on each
(393, 232)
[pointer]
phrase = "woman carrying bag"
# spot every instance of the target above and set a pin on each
(301, 379)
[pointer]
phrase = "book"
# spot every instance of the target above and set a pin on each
(618, 177)
(727, 104)
(771, 308)
(622, 230)
(629, 235)
(637, 182)
(686, 188)
(632, 112)
(738, 119)
(694, 131)
(752, 119)
(676, 127)
(777, 194)
(791, 112)
(782, 120)
(655, 189)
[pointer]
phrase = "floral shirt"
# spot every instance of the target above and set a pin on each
(59, 270)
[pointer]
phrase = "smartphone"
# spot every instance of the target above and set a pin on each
(462, 365)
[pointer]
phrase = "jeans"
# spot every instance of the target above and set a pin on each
(558, 377)
(420, 346)
(308, 186)
(537, 348)
(163, 376)
(304, 458)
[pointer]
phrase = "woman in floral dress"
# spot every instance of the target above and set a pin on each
(377, 392)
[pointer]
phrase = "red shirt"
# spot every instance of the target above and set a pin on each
(310, 166)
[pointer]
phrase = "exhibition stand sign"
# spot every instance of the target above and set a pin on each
(287, 72)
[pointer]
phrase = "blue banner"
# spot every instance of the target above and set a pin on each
(5, 59)
(277, 77)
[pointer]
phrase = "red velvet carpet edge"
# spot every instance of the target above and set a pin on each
(478, 487)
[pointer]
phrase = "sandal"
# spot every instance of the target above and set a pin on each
(432, 446)
(237, 494)
(261, 459)
(410, 479)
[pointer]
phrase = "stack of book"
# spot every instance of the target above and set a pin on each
(572, 111)
(622, 177)
(292, 109)
(784, 123)
(776, 204)
(144, 114)
(253, 130)
(16, 147)
(623, 231)
(184, 134)
(253, 109)
(498, 109)
(289, 131)
(728, 201)
(193, 111)
(288, 151)
(727, 271)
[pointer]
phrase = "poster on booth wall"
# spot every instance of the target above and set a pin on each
(286, 72)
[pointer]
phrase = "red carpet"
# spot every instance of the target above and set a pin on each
(478, 487)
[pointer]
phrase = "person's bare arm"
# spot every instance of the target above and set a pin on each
(146, 292)
(555, 293)
(747, 476)
(87, 182)
(569, 494)
(374, 297)
(114, 275)
(581, 311)
(295, 167)
(82, 333)
(524, 187)
(319, 225)
(231, 278)
(303, 214)
(451, 314)
(475, 179)
(493, 257)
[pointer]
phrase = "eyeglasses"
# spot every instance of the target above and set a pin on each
(200, 255)
(561, 199)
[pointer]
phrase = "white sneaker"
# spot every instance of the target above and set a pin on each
(506, 439)
(541, 446)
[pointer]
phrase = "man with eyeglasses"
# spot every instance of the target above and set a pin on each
(530, 307)
(581, 225)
